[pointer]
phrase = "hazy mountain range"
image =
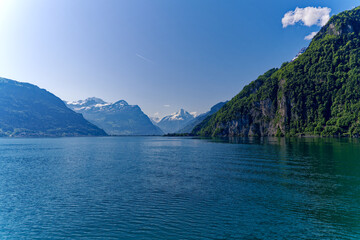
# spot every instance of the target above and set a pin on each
(117, 118)
(28, 111)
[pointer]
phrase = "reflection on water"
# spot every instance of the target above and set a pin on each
(180, 188)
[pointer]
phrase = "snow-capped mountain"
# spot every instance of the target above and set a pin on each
(199, 118)
(117, 118)
(81, 104)
(176, 121)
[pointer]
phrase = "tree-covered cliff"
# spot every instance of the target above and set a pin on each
(317, 94)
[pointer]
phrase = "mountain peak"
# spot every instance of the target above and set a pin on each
(88, 102)
(174, 122)
(121, 102)
(117, 118)
(181, 111)
(181, 115)
(95, 99)
(342, 23)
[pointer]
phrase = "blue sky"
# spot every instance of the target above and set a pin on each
(160, 54)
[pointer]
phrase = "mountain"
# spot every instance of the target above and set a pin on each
(155, 120)
(197, 120)
(299, 53)
(317, 94)
(28, 111)
(117, 118)
(175, 121)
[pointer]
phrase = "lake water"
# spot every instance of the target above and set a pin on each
(179, 188)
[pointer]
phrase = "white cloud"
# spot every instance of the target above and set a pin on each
(310, 36)
(309, 16)
(166, 105)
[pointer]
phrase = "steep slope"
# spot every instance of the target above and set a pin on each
(155, 120)
(317, 94)
(118, 118)
(175, 121)
(28, 111)
(197, 120)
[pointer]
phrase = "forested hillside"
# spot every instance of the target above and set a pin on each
(317, 94)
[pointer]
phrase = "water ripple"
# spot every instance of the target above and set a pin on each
(179, 188)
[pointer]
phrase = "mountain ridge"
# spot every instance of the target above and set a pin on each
(316, 94)
(117, 118)
(29, 111)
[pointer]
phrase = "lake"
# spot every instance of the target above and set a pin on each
(179, 188)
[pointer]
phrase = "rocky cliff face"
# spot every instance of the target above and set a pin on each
(254, 118)
(317, 94)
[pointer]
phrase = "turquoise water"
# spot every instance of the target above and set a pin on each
(179, 188)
